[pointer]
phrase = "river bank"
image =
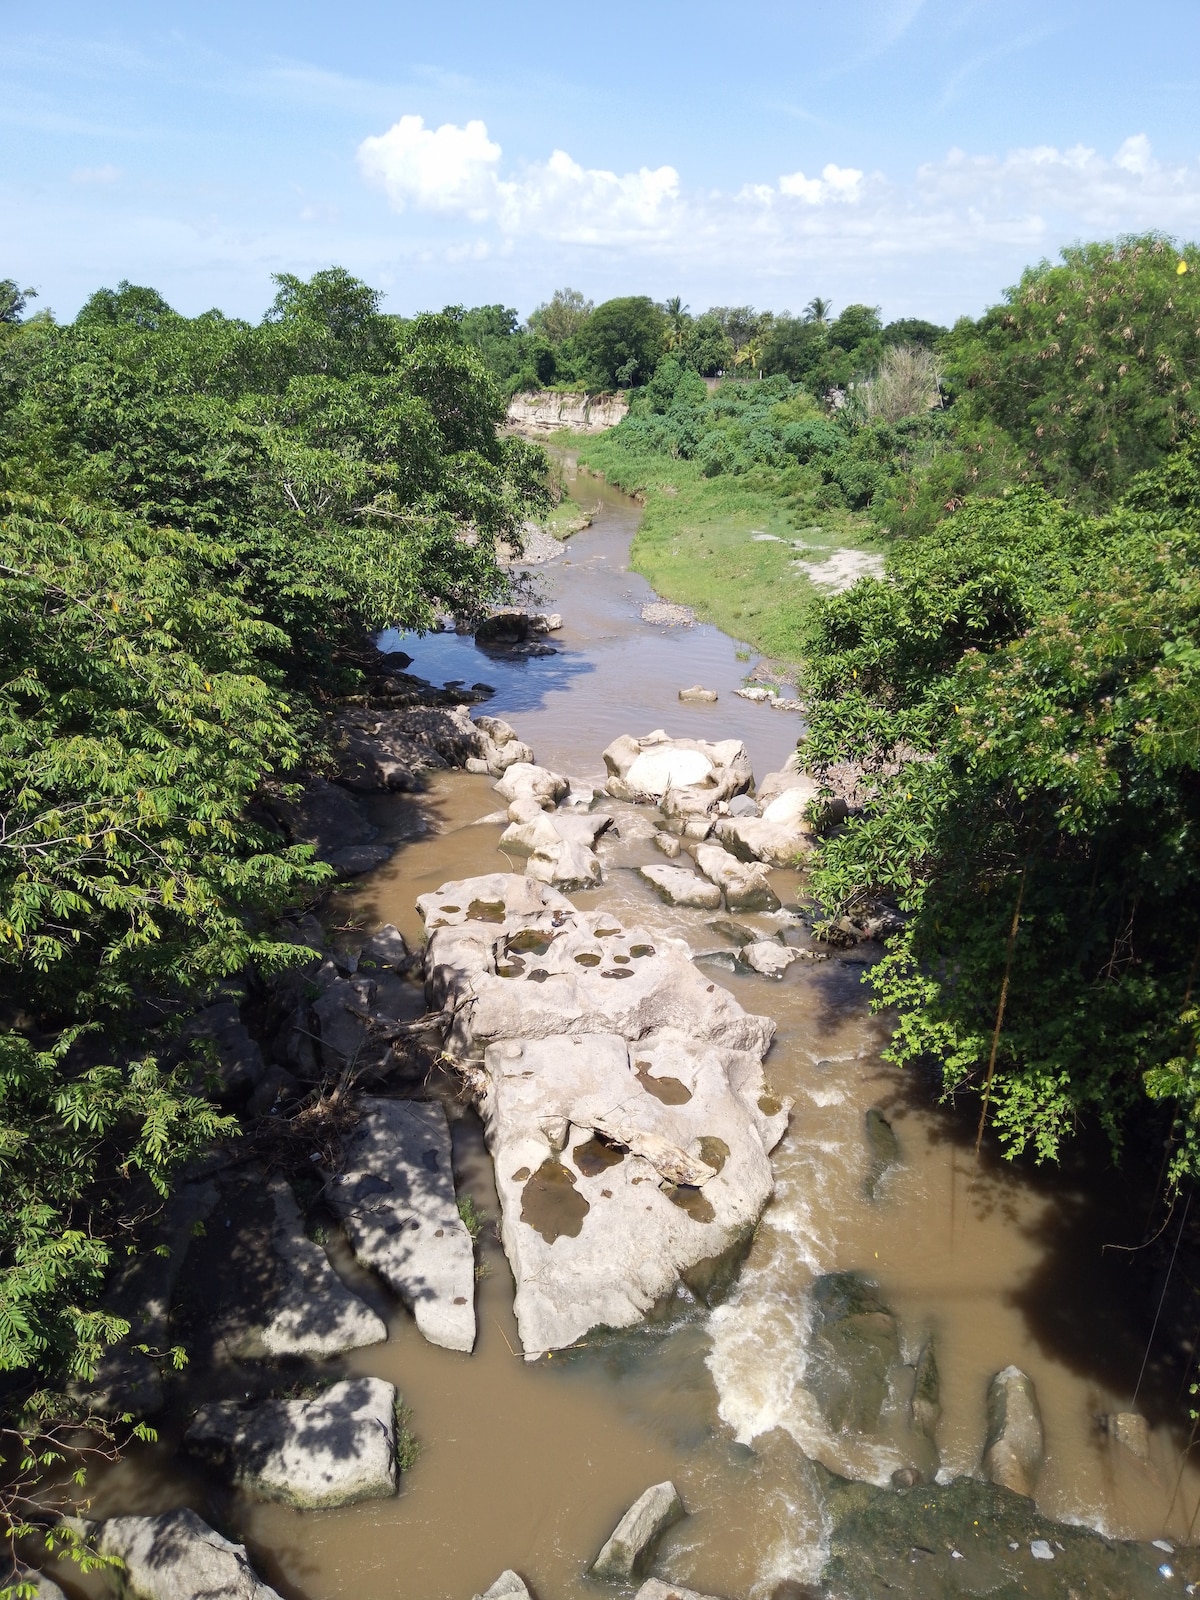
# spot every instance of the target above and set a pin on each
(529, 1466)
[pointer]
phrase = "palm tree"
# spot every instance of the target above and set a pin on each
(817, 310)
(751, 353)
(677, 321)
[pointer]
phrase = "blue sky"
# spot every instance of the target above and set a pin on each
(910, 153)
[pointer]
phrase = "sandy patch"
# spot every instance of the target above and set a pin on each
(663, 613)
(842, 569)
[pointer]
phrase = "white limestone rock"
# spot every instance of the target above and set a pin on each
(744, 885)
(664, 1172)
(508, 1586)
(525, 779)
(680, 887)
(630, 1546)
(397, 1201)
(565, 864)
(756, 839)
(177, 1556)
(507, 974)
(686, 777)
(334, 1450)
(768, 957)
(315, 1313)
(656, 1589)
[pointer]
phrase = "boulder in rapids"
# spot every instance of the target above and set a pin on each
(630, 1546)
(1015, 1448)
(566, 864)
(176, 1556)
(396, 1199)
(854, 1348)
(680, 887)
(768, 957)
(622, 1168)
(333, 1450)
(508, 1586)
(513, 962)
(499, 747)
(744, 885)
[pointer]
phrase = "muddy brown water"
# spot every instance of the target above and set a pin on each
(529, 1465)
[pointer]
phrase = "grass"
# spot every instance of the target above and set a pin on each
(695, 543)
(408, 1446)
(472, 1217)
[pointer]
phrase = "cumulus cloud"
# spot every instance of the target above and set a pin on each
(452, 169)
(1029, 199)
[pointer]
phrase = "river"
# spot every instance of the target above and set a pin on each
(529, 1465)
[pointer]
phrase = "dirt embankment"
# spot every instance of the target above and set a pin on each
(544, 411)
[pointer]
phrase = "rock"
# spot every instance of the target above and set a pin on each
(397, 1200)
(697, 694)
(687, 777)
(755, 694)
(314, 1314)
(42, 1584)
(601, 1230)
(334, 823)
(745, 886)
(1015, 1447)
(926, 1403)
(680, 887)
(240, 1066)
(527, 780)
(549, 828)
(756, 839)
(565, 864)
(768, 957)
(883, 1149)
(176, 1556)
(742, 806)
(334, 1450)
(510, 959)
(656, 1589)
(668, 844)
(386, 948)
(499, 746)
(631, 1544)
(141, 1294)
(735, 932)
(855, 1344)
(389, 750)
(342, 1014)
(1131, 1431)
(508, 1586)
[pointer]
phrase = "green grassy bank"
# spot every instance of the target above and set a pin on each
(696, 542)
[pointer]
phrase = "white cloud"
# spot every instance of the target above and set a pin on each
(835, 183)
(442, 169)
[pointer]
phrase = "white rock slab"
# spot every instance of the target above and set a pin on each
(525, 778)
(508, 1586)
(566, 865)
(631, 1544)
(560, 971)
(680, 887)
(315, 1313)
(756, 839)
(656, 771)
(768, 957)
(594, 1233)
(334, 1450)
(396, 1199)
(177, 1556)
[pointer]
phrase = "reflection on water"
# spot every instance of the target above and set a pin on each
(529, 1465)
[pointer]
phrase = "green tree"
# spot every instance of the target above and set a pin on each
(561, 317)
(1089, 364)
(818, 311)
(622, 341)
(13, 300)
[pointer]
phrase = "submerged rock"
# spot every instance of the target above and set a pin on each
(333, 1450)
(628, 1550)
(883, 1149)
(678, 886)
(176, 1556)
(966, 1538)
(1016, 1447)
(1131, 1431)
(854, 1348)
(397, 1201)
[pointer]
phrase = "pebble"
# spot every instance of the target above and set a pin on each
(1041, 1551)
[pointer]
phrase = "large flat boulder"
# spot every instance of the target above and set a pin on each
(680, 887)
(622, 1168)
(628, 1550)
(757, 839)
(333, 1450)
(396, 1199)
(504, 974)
(313, 1312)
(524, 778)
(176, 1556)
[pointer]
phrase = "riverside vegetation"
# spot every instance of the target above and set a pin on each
(204, 520)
